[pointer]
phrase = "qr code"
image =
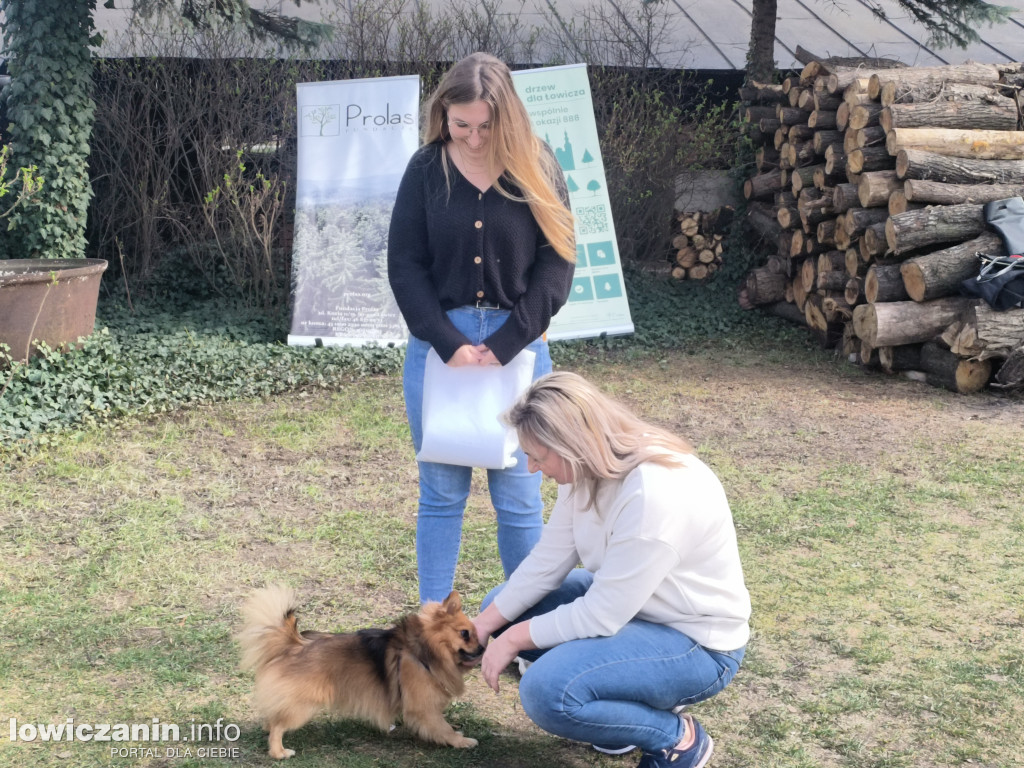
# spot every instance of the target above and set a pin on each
(591, 219)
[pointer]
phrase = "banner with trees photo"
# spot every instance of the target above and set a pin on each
(355, 138)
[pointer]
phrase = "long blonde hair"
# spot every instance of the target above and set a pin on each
(512, 145)
(596, 436)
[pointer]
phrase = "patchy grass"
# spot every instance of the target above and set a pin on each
(880, 522)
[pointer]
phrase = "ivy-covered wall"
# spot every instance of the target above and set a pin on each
(50, 117)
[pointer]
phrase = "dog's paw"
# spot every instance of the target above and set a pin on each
(464, 742)
(284, 754)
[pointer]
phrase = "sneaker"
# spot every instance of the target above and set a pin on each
(613, 750)
(696, 756)
(629, 748)
(524, 664)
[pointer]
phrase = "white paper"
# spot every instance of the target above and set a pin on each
(461, 410)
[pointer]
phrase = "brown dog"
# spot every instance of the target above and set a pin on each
(413, 669)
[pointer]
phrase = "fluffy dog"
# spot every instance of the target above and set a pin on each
(414, 669)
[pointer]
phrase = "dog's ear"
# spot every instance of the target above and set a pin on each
(453, 603)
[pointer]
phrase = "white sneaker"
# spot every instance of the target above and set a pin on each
(614, 750)
(523, 664)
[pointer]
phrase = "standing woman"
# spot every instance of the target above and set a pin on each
(481, 254)
(657, 617)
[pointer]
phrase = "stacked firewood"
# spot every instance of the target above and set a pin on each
(698, 242)
(869, 193)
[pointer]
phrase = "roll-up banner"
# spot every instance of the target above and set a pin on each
(562, 111)
(355, 138)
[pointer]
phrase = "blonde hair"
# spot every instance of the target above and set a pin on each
(597, 437)
(512, 145)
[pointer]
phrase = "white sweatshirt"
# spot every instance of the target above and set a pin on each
(662, 548)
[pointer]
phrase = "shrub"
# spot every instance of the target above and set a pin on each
(165, 148)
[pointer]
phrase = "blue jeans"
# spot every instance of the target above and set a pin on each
(620, 689)
(444, 488)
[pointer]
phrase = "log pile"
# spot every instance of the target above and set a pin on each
(869, 196)
(698, 242)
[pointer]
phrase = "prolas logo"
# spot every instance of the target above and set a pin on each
(354, 114)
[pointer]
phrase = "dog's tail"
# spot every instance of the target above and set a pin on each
(269, 628)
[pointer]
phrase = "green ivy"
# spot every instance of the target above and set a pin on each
(180, 350)
(50, 112)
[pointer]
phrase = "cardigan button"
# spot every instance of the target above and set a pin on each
(479, 294)
(477, 260)
(478, 224)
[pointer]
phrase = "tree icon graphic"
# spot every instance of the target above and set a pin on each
(587, 157)
(571, 184)
(321, 116)
(594, 185)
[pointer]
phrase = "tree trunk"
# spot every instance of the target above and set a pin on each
(898, 202)
(801, 153)
(832, 281)
(938, 193)
(822, 119)
(835, 159)
(788, 311)
(824, 139)
(761, 51)
(905, 322)
(874, 188)
(761, 92)
(864, 115)
(761, 218)
(763, 185)
(869, 159)
(940, 273)
(987, 332)
(857, 220)
(854, 291)
(979, 145)
(884, 283)
(803, 177)
(791, 115)
(938, 224)
(815, 313)
(871, 136)
(832, 261)
(766, 159)
(1011, 373)
(872, 242)
(844, 197)
(944, 369)
(899, 93)
(1001, 116)
(843, 78)
(906, 357)
(934, 77)
(921, 164)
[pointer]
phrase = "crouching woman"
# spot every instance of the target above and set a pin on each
(657, 617)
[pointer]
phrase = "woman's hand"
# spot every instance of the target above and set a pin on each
(465, 355)
(503, 649)
(498, 655)
(486, 356)
(470, 355)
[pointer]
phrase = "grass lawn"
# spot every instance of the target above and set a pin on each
(881, 525)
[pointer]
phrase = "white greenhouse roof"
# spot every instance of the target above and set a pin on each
(714, 34)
